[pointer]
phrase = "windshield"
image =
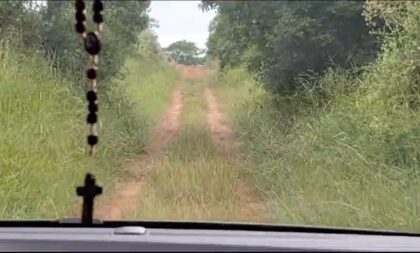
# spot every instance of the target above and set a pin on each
(282, 112)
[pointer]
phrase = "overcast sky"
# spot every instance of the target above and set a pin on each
(180, 20)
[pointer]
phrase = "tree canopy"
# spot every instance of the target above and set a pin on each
(281, 40)
(184, 52)
(48, 27)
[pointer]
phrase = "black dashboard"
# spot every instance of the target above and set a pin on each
(69, 235)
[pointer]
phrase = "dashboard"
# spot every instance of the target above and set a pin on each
(131, 237)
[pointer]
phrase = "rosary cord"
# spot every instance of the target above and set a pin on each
(92, 46)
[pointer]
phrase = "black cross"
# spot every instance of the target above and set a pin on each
(89, 191)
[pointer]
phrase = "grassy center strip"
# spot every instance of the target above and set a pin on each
(193, 181)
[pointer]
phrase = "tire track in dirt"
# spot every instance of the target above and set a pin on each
(253, 206)
(126, 197)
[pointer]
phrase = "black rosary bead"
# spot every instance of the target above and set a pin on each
(91, 74)
(93, 107)
(92, 118)
(80, 17)
(92, 140)
(91, 96)
(80, 5)
(80, 27)
(92, 44)
(97, 6)
(98, 18)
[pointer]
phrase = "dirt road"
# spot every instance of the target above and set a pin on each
(129, 191)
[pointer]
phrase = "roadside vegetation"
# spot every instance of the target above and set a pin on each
(42, 103)
(343, 149)
(148, 83)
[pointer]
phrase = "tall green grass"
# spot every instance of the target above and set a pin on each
(352, 161)
(43, 135)
(149, 84)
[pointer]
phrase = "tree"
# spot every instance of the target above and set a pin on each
(148, 44)
(124, 21)
(184, 52)
(48, 26)
(21, 22)
(281, 40)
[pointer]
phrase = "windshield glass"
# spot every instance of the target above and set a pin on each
(283, 112)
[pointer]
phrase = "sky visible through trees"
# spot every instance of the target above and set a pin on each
(179, 20)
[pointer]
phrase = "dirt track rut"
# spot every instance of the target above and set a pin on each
(129, 190)
(253, 206)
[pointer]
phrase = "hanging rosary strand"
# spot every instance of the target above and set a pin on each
(92, 46)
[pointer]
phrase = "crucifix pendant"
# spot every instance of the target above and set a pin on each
(89, 191)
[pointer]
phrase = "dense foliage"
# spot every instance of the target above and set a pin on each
(49, 27)
(282, 40)
(184, 52)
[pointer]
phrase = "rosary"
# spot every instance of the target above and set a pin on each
(92, 46)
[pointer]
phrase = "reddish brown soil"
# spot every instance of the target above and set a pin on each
(192, 72)
(129, 190)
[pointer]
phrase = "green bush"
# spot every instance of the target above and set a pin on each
(281, 40)
(49, 27)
